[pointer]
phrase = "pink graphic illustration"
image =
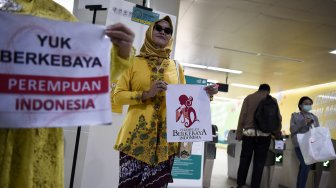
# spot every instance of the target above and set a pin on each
(187, 111)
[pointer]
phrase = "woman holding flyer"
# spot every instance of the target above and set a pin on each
(146, 158)
(33, 157)
(301, 122)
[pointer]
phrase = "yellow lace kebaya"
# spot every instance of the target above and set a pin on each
(33, 158)
(143, 134)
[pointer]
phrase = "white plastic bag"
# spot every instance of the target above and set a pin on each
(316, 145)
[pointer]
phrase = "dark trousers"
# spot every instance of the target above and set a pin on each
(257, 146)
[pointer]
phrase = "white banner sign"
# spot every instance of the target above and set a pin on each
(188, 114)
(52, 73)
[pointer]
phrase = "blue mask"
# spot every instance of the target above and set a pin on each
(306, 108)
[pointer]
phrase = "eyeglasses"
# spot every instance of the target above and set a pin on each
(159, 28)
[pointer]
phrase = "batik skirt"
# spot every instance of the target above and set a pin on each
(137, 174)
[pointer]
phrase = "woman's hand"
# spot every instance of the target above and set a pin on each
(156, 87)
(211, 89)
(122, 37)
(309, 121)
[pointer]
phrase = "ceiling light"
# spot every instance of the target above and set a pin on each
(327, 97)
(194, 65)
(211, 68)
(244, 86)
(309, 88)
(333, 52)
(225, 70)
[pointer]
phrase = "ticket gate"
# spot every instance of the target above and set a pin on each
(209, 157)
(285, 174)
(281, 168)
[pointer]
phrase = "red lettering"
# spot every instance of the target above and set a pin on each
(59, 105)
(37, 104)
(77, 104)
(48, 105)
(24, 104)
(90, 104)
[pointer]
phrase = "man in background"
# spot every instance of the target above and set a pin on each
(255, 141)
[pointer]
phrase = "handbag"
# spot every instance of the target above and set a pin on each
(316, 145)
(184, 148)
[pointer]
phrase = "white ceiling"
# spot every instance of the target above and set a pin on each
(284, 33)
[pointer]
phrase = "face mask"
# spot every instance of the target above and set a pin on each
(306, 108)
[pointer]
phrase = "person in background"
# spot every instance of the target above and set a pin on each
(33, 157)
(255, 142)
(300, 123)
(146, 158)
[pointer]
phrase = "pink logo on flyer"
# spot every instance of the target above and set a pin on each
(187, 111)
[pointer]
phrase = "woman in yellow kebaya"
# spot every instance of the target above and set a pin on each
(146, 158)
(33, 158)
